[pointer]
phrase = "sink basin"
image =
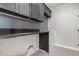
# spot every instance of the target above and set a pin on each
(40, 52)
(31, 51)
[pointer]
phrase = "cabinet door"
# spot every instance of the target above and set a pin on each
(43, 25)
(44, 41)
(8, 6)
(41, 14)
(47, 11)
(19, 24)
(24, 9)
(35, 10)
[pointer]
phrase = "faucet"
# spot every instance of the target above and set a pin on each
(30, 46)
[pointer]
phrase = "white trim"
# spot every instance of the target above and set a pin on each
(66, 47)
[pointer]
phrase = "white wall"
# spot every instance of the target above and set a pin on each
(63, 26)
(16, 46)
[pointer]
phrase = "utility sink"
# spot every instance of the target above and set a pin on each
(40, 52)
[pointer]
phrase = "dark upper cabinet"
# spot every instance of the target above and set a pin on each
(8, 6)
(41, 14)
(47, 11)
(28, 9)
(24, 9)
(35, 10)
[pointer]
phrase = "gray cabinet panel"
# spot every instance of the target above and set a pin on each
(43, 26)
(47, 11)
(41, 14)
(35, 10)
(6, 22)
(20, 24)
(11, 22)
(24, 9)
(35, 26)
(8, 6)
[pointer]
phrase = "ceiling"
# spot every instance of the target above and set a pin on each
(52, 5)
